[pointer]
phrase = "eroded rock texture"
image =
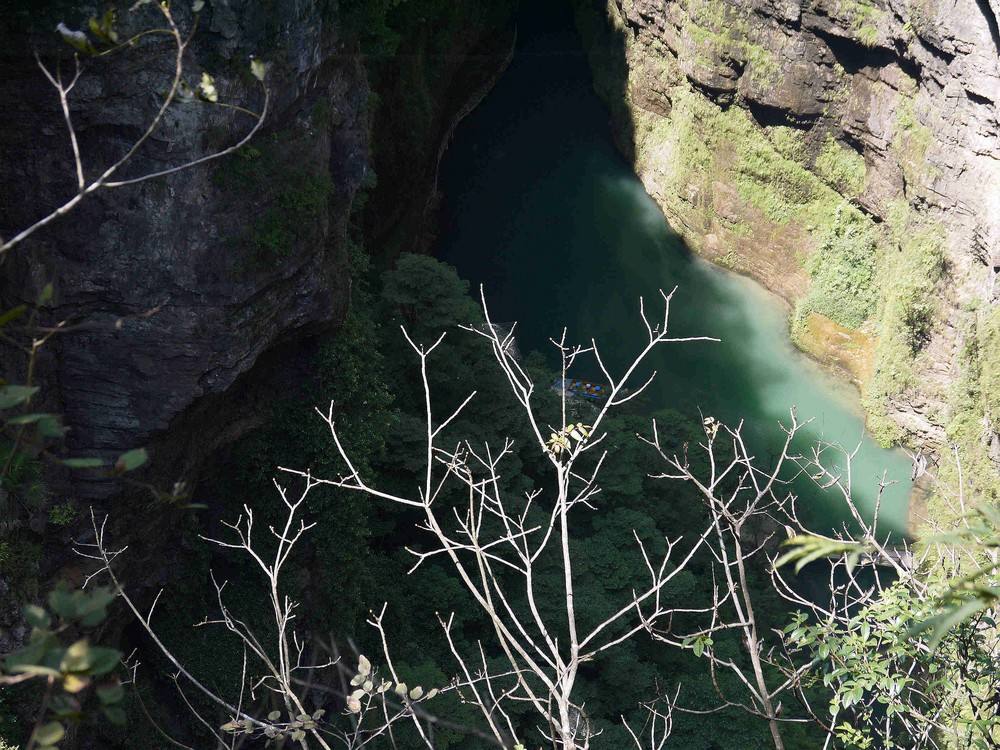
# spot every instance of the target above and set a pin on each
(174, 259)
(182, 284)
(847, 154)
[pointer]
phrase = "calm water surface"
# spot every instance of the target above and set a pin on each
(544, 212)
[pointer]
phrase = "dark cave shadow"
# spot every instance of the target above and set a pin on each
(605, 48)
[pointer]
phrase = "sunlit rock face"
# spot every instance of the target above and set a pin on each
(799, 142)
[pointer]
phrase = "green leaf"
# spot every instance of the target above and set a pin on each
(39, 670)
(83, 463)
(14, 395)
(112, 693)
(853, 558)
(63, 603)
(45, 296)
(808, 548)
(33, 653)
(73, 683)
(132, 459)
(91, 608)
(77, 657)
(93, 617)
(950, 618)
(50, 426)
(76, 39)
(103, 660)
(258, 68)
(29, 418)
(12, 314)
(206, 88)
(116, 715)
(66, 709)
(36, 616)
(103, 28)
(49, 734)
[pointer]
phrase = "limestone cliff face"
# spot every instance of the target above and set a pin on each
(847, 154)
(173, 260)
(182, 285)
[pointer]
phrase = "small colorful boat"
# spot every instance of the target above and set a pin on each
(582, 388)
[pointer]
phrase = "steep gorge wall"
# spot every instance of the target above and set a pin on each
(184, 284)
(846, 153)
(181, 261)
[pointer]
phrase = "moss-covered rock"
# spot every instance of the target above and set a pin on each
(842, 168)
(744, 195)
(291, 190)
(830, 168)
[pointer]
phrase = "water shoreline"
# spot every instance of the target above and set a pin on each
(543, 209)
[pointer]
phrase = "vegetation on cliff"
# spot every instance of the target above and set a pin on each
(359, 558)
(911, 266)
(701, 147)
(787, 197)
(292, 189)
(872, 646)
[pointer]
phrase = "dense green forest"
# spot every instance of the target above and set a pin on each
(358, 551)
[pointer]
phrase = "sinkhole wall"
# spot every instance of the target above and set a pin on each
(845, 153)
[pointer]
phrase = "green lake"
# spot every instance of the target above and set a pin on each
(541, 209)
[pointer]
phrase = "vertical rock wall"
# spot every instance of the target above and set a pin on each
(177, 284)
(846, 153)
(183, 284)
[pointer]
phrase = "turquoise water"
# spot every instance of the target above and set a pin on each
(542, 210)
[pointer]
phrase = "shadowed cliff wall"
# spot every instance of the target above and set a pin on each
(210, 269)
